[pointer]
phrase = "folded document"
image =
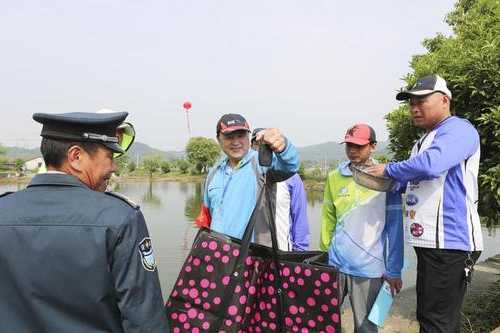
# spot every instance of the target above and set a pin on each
(382, 305)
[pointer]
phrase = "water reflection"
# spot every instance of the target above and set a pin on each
(184, 187)
(150, 197)
(193, 203)
(314, 198)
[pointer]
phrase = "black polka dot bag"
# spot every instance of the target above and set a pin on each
(232, 285)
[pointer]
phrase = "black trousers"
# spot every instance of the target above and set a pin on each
(440, 288)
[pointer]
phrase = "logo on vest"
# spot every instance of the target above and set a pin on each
(147, 255)
(411, 200)
(414, 184)
(416, 229)
(344, 192)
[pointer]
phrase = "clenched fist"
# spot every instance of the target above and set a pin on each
(273, 138)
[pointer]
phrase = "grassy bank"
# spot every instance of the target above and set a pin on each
(171, 176)
(14, 180)
(314, 185)
(481, 312)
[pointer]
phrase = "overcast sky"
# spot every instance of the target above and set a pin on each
(311, 68)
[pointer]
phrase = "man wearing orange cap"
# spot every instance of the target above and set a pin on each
(362, 230)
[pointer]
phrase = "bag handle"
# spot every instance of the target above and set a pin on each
(245, 247)
(239, 264)
(248, 234)
(278, 281)
(265, 200)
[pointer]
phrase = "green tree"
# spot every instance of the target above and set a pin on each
(3, 159)
(131, 166)
(122, 163)
(381, 158)
(182, 166)
(315, 174)
(302, 171)
(151, 164)
(202, 153)
(469, 60)
(165, 167)
(19, 167)
(402, 134)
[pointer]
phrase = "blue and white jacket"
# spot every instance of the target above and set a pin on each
(361, 229)
(292, 226)
(231, 194)
(442, 189)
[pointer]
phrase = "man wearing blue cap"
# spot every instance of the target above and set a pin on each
(75, 259)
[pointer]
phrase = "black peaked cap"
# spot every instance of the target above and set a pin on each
(82, 127)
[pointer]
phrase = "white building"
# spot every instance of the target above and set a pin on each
(34, 164)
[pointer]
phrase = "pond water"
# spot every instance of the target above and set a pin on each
(170, 208)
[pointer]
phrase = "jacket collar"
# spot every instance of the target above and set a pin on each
(47, 179)
(223, 162)
(344, 168)
(442, 122)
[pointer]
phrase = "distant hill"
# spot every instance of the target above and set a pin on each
(22, 153)
(141, 150)
(138, 149)
(332, 151)
(329, 151)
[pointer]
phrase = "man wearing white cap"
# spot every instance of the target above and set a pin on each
(442, 222)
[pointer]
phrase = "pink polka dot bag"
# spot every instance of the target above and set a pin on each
(232, 285)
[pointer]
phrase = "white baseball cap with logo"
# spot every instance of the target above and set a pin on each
(425, 86)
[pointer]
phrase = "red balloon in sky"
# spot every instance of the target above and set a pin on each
(187, 105)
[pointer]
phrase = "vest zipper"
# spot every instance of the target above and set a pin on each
(470, 214)
(437, 224)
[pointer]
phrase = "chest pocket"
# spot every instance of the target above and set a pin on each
(218, 182)
(215, 192)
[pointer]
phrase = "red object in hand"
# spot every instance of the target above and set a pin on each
(204, 219)
(187, 105)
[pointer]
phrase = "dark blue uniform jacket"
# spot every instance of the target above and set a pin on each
(75, 260)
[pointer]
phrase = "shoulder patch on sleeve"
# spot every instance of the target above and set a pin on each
(123, 198)
(147, 255)
(6, 193)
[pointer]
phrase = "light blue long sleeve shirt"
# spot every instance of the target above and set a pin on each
(231, 194)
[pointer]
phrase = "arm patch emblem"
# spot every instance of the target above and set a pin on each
(147, 256)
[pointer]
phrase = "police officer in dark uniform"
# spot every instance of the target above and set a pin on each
(74, 259)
